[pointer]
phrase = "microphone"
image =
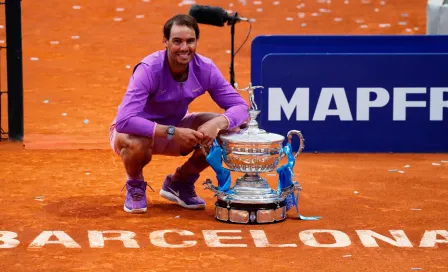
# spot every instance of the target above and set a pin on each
(216, 16)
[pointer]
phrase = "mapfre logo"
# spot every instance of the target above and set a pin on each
(300, 103)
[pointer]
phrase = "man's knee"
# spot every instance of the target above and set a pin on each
(186, 150)
(135, 145)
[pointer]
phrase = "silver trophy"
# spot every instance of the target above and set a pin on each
(253, 151)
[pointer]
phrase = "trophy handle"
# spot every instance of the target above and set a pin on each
(203, 150)
(302, 141)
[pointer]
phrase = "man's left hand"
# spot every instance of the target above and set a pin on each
(211, 128)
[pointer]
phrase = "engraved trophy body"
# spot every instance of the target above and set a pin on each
(252, 151)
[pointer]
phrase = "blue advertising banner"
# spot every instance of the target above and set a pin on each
(347, 102)
(267, 44)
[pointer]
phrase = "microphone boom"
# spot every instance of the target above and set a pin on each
(213, 15)
(209, 15)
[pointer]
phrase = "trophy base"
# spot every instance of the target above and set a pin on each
(242, 213)
(251, 189)
(252, 201)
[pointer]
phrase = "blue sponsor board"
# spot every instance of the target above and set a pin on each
(316, 56)
(267, 44)
(362, 102)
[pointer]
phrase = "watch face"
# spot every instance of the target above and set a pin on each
(170, 130)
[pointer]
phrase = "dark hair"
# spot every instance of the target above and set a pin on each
(180, 20)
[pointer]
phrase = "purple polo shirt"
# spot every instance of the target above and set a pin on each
(154, 97)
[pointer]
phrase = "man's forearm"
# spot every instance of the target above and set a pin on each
(236, 115)
(135, 126)
(161, 131)
(221, 122)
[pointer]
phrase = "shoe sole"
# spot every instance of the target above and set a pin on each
(174, 198)
(141, 210)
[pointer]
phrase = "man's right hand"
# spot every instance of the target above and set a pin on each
(187, 136)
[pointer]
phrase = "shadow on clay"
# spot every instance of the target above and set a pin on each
(112, 206)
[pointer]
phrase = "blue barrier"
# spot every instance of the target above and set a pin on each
(392, 100)
(264, 45)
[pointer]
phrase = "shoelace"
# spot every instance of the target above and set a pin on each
(137, 193)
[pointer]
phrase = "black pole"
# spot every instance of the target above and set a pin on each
(14, 67)
(232, 51)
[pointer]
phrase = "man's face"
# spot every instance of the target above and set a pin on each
(181, 44)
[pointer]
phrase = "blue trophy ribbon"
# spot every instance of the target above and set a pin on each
(214, 159)
(285, 175)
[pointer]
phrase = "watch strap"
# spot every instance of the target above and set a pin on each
(170, 132)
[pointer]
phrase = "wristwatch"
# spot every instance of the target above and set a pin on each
(170, 131)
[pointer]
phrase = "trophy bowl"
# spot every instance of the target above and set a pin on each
(254, 150)
(252, 153)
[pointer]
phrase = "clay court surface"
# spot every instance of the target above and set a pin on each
(64, 177)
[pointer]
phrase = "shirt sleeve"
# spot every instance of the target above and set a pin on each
(128, 120)
(227, 98)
